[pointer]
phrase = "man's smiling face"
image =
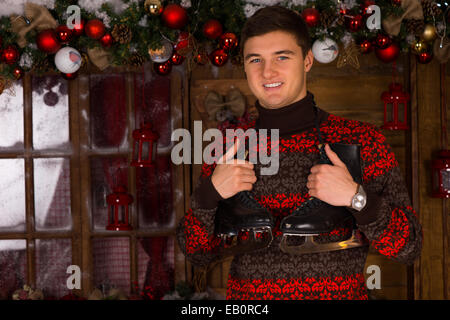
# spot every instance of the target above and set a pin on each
(275, 69)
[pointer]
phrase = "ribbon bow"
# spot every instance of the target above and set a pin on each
(40, 19)
(412, 10)
(233, 101)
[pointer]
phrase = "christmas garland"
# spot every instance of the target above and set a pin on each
(131, 32)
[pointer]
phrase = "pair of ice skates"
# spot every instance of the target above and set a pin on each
(314, 217)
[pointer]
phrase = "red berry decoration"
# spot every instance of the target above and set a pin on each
(94, 29)
(78, 29)
(212, 29)
(218, 57)
(355, 23)
(18, 73)
(163, 68)
(107, 40)
(47, 41)
(311, 16)
(388, 54)
(70, 76)
(382, 41)
(425, 57)
(228, 41)
(177, 59)
(10, 54)
(365, 46)
(64, 34)
(174, 16)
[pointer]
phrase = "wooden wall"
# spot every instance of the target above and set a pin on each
(355, 94)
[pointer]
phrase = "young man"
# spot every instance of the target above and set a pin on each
(277, 57)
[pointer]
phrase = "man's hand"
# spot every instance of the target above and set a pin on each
(231, 176)
(332, 183)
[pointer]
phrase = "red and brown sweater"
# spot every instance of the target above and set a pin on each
(388, 220)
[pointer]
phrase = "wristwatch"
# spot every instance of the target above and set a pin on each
(359, 200)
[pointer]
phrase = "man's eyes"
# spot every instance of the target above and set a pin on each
(256, 60)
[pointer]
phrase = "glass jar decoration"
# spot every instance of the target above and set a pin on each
(144, 146)
(119, 209)
(440, 167)
(395, 108)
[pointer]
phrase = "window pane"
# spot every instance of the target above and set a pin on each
(53, 256)
(13, 267)
(50, 112)
(108, 111)
(12, 195)
(52, 193)
(111, 264)
(156, 265)
(11, 111)
(106, 173)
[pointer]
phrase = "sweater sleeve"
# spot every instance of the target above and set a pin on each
(195, 231)
(388, 219)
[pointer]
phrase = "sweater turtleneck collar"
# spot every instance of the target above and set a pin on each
(293, 118)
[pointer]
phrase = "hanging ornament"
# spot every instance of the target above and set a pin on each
(388, 54)
(365, 47)
(311, 16)
(201, 57)
(349, 56)
(212, 29)
(325, 50)
(429, 33)
(425, 57)
(10, 54)
(355, 23)
(144, 146)
(161, 54)
(395, 107)
(119, 203)
(185, 43)
(51, 98)
(68, 60)
(64, 34)
(153, 7)
(174, 16)
(218, 57)
(18, 73)
(162, 68)
(419, 46)
(69, 76)
(228, 41)
(382, 41)
(47, 41)
(78, 29)
(106, 40)
(176, 58)
(94, 29)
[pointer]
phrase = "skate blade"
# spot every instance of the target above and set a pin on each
(239, 247)
(310, 246)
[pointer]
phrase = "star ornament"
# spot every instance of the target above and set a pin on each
(349, 56)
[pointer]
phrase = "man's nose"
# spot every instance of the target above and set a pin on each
(269, 70)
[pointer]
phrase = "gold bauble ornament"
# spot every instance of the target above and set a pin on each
(153, 7)
(429, 33)
(419, 46)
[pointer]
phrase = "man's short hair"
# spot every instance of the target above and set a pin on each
(277, 18)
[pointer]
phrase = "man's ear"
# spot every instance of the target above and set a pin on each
(309, 59)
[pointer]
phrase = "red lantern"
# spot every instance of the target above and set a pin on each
(311, 16)
(119, 209)
(10, 54)
(441, 175)
(145, 146)
(212, 29)
(64, 34)
(94, 29)
(395, 101)
(174, 16)
(162, 68)
(389, 54)
(47, 41)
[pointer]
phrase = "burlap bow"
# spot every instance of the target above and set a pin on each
(442, 54)
(412, 10)
(40, 19)
(99, 57)
(233, 101)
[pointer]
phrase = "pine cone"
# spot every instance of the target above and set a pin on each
(327, 18)
(122, 33)
(136, 59)
(415, 26)
(430, 8)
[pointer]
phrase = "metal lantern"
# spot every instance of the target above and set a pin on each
(441, 175)
(119, 209)
(395, 105)
(144, 147)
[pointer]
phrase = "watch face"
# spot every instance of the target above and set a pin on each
(359, 201)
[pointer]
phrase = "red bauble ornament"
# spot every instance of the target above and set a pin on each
(107, 40)
(18, 73)
(78, 29)
(365, 46)
(94, 29)
(228, 41)
(47, 41)
(174, 16)
(425, 57)
(311, 16)
(388, 54)
(177, 59)
(201, 58)
(163, 68)
(366, 4)
(69, 76)
(355, 23)
(218, 57)
(10, 54)
(64, 34)
(382, 41)
(185, 43)
(212, 29)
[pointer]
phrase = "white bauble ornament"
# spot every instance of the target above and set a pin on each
(68, 60)
(162, 54)
(325, 50)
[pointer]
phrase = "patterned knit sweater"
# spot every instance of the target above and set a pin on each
(388, 221)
